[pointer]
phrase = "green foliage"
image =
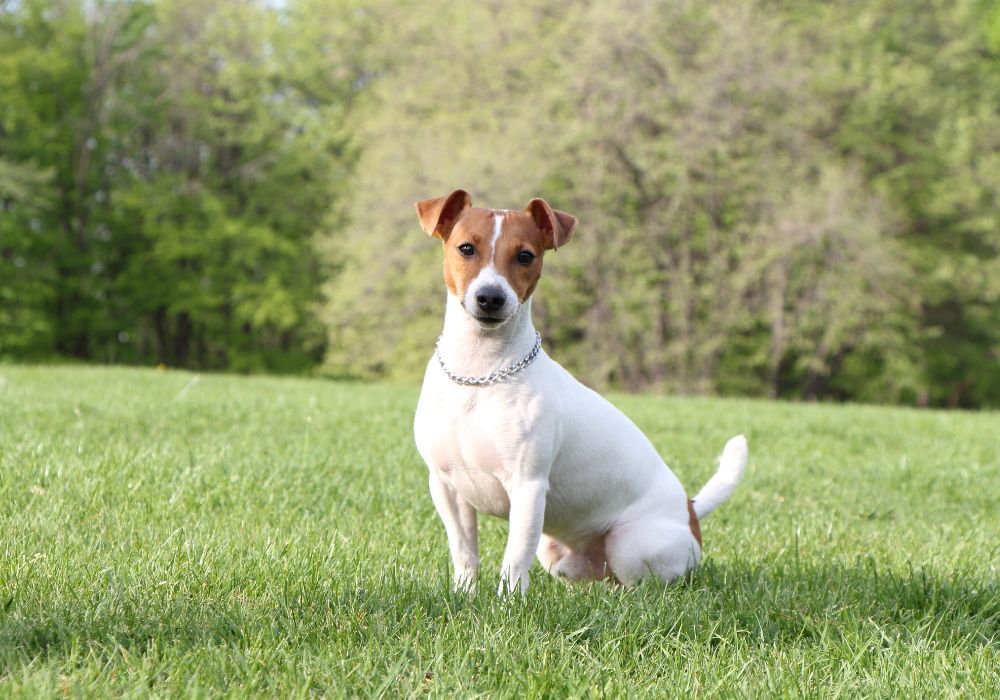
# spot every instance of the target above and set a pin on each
(769, 196)
(173, 534)
(25, 279)
(776, 198)
(916, 92)
(192, 161)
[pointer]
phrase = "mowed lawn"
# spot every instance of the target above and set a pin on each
(163, 533)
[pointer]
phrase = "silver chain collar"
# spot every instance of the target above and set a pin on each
(494, 376)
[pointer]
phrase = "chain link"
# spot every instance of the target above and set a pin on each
(494, 376)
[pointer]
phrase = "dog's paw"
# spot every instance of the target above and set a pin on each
(511, 583)
(466, 581)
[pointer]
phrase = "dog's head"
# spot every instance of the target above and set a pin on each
(493, 257)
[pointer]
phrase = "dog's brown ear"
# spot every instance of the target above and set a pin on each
(439, 214)
(557, 226)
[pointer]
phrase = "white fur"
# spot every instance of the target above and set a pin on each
(556, 459)
(722, 484)
(489, 276)
(497, 230)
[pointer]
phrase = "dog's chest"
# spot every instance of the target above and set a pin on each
(467, 437)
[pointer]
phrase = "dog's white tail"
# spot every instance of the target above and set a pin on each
(721, 485)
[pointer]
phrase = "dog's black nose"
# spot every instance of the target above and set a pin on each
(490, 299)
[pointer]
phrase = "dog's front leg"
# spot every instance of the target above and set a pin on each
(460, 523)
(527, 513)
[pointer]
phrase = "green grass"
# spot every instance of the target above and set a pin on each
(166, 534)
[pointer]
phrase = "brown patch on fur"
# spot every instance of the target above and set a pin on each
(438, 215)
(693, 522)
(455, 222)
(593, 554)
(518, 233)
(556, 226)
(475, 226)
(597, 560)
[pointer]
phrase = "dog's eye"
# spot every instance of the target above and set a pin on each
(467, 250)
(526, 257)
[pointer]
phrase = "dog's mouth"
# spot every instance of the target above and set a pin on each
(486, 321)
(489, 323)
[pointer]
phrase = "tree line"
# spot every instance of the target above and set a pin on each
(787, 199)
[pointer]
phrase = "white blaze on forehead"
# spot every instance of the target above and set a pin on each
(498, 215)
(489, 277)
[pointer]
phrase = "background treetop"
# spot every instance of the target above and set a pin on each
(784, 199)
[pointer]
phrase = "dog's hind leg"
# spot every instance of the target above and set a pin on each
(660, 548)
(550, 552)
(564, 562)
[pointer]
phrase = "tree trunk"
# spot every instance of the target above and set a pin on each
(779, 333)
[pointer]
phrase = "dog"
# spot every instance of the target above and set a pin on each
(506, 431)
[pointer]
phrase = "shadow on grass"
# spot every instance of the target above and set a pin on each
(778, 603)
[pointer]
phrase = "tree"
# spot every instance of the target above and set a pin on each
(25, 278)
(193, 151)
(677, 163)
(914, 89)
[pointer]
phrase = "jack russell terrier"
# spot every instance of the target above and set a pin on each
(506, 431)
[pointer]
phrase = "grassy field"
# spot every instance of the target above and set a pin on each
(167, 534)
